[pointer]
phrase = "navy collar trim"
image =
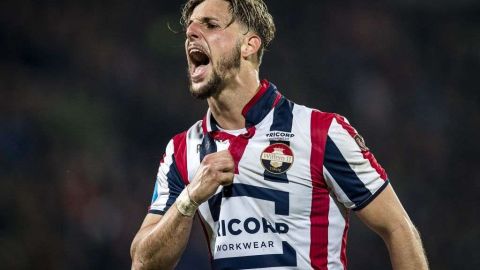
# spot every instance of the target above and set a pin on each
(266, 98)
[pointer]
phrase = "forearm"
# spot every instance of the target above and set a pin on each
(161, 240)
(162, 246)
(405, 248)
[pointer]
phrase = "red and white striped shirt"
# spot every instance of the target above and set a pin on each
(298, 172)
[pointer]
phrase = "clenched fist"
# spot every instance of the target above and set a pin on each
(216, 169)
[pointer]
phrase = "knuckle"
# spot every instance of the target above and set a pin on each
(208, 169)
(207, 159)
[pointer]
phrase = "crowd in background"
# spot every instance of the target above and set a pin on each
(91, 92)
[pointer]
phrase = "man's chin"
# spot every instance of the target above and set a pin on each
(198, 89)
(196, 86)
(205, 88)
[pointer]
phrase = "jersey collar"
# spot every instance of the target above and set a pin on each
(266, 98)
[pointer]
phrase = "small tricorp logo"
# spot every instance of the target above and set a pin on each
(277, 158)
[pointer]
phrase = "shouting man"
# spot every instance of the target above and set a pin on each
(272, 182)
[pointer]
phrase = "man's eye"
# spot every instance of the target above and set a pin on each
(211, 25)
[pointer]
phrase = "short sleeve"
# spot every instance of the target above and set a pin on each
(168, 184)
(350, 169)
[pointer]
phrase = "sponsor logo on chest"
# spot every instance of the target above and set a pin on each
(279, 136)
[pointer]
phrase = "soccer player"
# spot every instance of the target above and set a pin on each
(272, 182)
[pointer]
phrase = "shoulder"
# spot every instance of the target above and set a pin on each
(323, 123)
(330, 118)
(195, 131)
(180, 145)
(192, 135)
(313, 117)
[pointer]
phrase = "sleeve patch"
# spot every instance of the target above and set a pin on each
(360, 142)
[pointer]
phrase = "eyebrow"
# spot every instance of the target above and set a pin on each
(204, 20)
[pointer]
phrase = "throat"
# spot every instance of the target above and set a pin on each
(228, 116)
(227, 106)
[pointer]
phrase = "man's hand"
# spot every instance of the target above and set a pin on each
(215, 170)
(161, 240)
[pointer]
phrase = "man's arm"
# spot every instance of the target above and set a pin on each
(161, 240)
(386, 216)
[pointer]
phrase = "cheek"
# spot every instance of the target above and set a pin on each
(224, 44)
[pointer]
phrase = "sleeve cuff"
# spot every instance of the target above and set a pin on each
(371, 198)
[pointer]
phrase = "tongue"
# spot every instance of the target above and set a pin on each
(199, 70)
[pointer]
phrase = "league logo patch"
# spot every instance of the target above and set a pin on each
(361, 142)
(277, 158)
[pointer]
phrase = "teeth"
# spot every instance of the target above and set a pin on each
(195, 50)
(198, 56)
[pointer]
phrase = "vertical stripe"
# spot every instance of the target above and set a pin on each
(168, 183)
(209, 123)
(343, 254)
(208, 146)
(336, 231)
(264, 85)
(194, 139)
(277, 99)
(238, 144)
(180, 155)
(282, 121)
(319, 124)
(205, 121)
(283, 116)
(175, 184)
(260, 105)
(214, 204)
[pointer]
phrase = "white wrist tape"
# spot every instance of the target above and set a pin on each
(185, 205)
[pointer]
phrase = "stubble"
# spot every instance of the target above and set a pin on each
(219, 76)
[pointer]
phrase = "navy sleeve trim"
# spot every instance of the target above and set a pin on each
(369, 200)
(343, 174)
(157, 212)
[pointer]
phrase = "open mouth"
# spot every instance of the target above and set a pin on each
(199, 61)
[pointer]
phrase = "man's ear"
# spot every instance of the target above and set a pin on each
(251, 45)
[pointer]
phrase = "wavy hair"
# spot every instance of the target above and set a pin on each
(251, 13)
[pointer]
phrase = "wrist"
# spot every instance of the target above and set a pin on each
(184, 203)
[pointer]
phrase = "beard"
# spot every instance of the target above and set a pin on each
(219, 75)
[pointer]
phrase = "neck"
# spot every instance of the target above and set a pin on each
(228, 105)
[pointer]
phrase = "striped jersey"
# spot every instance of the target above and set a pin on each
(298, 173)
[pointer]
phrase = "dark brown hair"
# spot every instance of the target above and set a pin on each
(251, 13)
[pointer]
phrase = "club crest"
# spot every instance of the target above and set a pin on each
(277, 158)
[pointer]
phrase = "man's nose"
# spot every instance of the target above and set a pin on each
(193, 31)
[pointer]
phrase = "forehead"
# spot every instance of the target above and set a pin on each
(216, 9)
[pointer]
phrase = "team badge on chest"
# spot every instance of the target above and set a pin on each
(277, 158)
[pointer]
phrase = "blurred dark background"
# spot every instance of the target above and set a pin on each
(91, 92)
